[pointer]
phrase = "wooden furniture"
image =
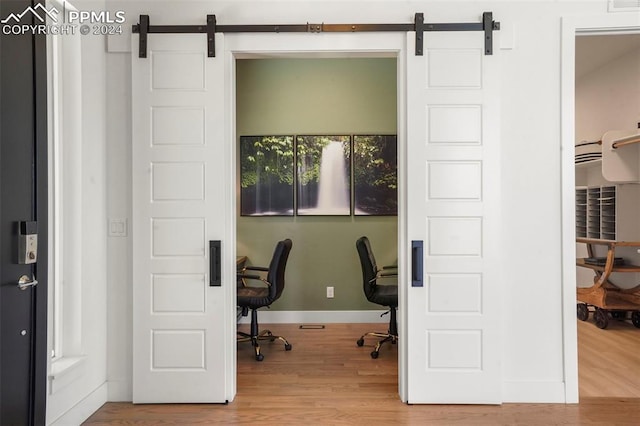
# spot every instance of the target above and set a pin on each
(606, 298)
(240, 262)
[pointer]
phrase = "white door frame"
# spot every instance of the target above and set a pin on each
(242, 46)
(602, 24)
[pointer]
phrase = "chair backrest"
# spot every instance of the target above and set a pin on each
(275, 276)
(369, 266)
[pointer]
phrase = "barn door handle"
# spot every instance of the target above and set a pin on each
(25, 282)
(416, 263)
(215, 272)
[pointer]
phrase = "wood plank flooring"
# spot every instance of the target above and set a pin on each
(609, 360)
(327, 380)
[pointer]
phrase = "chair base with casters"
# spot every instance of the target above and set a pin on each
(255, 336)
(390, 336)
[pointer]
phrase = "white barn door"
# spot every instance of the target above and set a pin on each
(182, 332)
(454, 295)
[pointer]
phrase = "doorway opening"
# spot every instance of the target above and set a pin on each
(607, 100)
(287, 107)
(606, 25)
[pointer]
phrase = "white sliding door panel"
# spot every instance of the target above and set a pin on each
(454, 332)
(180, 186)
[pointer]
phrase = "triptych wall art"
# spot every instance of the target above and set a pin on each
(327, 175)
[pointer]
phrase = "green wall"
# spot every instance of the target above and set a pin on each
(317, 96)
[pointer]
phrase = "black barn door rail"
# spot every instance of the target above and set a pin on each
(487, 26)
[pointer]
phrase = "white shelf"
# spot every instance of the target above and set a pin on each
(589, 164)
(608, 212)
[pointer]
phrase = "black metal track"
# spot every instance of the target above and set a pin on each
(488, 25)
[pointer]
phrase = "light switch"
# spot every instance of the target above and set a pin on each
(117, 227)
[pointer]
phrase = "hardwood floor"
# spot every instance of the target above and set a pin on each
(609, 360)
(327, 380)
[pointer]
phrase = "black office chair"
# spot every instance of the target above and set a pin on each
(250, 297)
(385, 295)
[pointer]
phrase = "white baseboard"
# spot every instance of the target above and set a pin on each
(84, 409)
(317, 317)
(533, 392)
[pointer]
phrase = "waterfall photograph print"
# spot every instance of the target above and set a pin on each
(324, 175)
(375, 175)
(266, 175)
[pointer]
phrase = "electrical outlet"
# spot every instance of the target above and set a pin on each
(329, 292)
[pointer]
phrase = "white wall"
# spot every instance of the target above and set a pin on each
(119, 278)
(608, 98)
(531, 117)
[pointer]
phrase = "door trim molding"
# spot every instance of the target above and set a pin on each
(41, 353)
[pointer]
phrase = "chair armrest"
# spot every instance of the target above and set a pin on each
(388, 271)
(382, 275)
(251, 277)
(242, 277)
(256, 268)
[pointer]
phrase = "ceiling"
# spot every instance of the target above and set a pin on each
(594, 51)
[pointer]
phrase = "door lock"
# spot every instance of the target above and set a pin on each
(27, 243)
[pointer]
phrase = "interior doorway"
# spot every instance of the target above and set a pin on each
(300, 103)
(607, 25)
(606, 100)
